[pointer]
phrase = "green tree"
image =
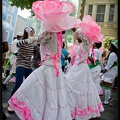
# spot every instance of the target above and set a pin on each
(22, 3)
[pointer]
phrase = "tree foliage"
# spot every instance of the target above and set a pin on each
(22, 3)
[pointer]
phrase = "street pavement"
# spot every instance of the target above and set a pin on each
(110, 112)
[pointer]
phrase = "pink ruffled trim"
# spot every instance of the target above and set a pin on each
(86, 112)
(21, 107)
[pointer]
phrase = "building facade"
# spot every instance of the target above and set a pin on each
(104, 12)
(21, 23)
(9, 15)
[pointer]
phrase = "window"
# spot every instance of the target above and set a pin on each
(100, 13)
(111, 14)
(3, 4)
(90, 10)
(7, 35)
(9, 19)
(11, 8)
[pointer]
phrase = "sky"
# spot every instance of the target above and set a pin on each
(25, 13)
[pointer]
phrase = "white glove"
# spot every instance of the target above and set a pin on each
(32, 40)
(101, 74)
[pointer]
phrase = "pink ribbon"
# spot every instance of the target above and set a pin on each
(54, 58)
(88, 61)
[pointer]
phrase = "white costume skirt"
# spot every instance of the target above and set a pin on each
(110, 75)
(96, 77)
(42, 96)
(87, 101)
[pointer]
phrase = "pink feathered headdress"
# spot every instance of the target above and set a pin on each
(90, 29)
(54, 15)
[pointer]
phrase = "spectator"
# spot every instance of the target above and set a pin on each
(13, 57)
(4, 50)
(64, 57)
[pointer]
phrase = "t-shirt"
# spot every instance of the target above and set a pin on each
(64, 54)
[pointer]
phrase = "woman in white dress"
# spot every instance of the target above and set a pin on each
(95, 68)
(43, 95)
(110, 72)
(87, 101)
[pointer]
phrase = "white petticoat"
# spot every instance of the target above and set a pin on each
(42, 96)
(87, 101)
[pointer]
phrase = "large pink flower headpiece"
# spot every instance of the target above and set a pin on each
(90, 29)
(54, 14)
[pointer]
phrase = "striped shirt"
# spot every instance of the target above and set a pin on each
(25, 53)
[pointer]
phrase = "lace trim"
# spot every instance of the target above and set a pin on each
(85, 112)
(21, 106)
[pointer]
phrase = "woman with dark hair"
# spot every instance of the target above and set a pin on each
(23, 63)
(110, 72)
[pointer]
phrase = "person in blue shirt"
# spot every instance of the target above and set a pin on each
(64, 57)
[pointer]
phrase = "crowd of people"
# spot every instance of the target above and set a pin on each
(52, 83)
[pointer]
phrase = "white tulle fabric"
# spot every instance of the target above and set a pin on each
(54, 15)
(90, 29)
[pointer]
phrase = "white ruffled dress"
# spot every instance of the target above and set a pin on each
(43, 95)
(87, 101)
